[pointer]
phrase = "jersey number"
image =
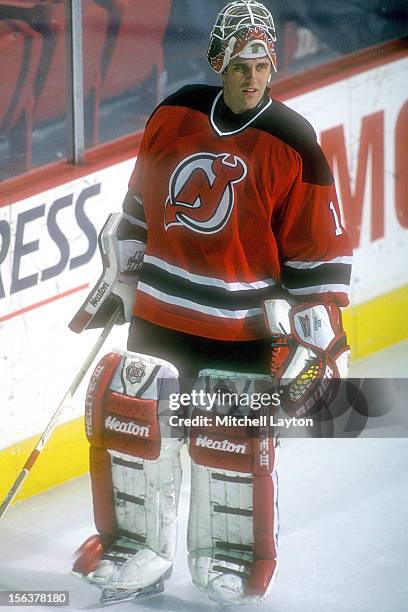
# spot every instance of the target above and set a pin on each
(338, 230)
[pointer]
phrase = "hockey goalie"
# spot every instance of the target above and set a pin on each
(231, 265)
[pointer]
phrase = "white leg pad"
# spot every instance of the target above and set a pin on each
(146, 497)
(135, 470)
(233, 520)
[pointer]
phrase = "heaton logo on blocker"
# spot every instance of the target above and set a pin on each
(99, 294)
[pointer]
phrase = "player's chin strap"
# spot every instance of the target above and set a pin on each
(310, 353)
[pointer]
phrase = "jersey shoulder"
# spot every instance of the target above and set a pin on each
(193, 97)
(295, 131)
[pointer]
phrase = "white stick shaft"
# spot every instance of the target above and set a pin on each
(56, 416)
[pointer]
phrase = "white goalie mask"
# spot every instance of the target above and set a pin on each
(244, 28)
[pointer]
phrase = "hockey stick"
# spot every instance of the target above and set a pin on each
(55, 417)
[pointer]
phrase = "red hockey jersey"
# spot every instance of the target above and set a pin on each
(239, 209)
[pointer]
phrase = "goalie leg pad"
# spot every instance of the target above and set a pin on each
(135, 471)
(233, 518)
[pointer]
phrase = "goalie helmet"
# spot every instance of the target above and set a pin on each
(244, 28)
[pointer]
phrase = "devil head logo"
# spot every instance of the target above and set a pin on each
(201, 191)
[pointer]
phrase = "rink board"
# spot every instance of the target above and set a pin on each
(49, 260)
(64, 457)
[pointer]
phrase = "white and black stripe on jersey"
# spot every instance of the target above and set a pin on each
(205, 294)
(305, 278)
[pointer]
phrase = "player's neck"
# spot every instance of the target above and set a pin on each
(228, 107)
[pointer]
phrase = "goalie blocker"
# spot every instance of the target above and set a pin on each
(135, 473)
(310, 354)
(122, 246)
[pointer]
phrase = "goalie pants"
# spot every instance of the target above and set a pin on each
(190, 353)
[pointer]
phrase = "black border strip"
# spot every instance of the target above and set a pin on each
(325, 274)
(215, 297)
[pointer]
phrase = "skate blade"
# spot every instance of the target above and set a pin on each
(112, 596)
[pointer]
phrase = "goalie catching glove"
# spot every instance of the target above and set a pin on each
(122, 247)
(310, 353)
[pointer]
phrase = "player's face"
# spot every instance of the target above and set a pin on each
(245, 81)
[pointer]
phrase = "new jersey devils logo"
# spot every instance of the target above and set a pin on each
(201, 191)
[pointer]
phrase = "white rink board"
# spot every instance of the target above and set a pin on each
(39, 356)
(380, 265)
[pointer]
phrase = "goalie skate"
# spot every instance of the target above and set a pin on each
(113, 596)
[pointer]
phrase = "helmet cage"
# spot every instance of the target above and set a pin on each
(239, 25)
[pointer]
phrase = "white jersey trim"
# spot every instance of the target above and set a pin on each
(320, 289)
(207, 310)
(208, 280)
(307, 265)
(219, 132)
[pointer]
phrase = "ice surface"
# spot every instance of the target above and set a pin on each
(391, 362)
(343, 531)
